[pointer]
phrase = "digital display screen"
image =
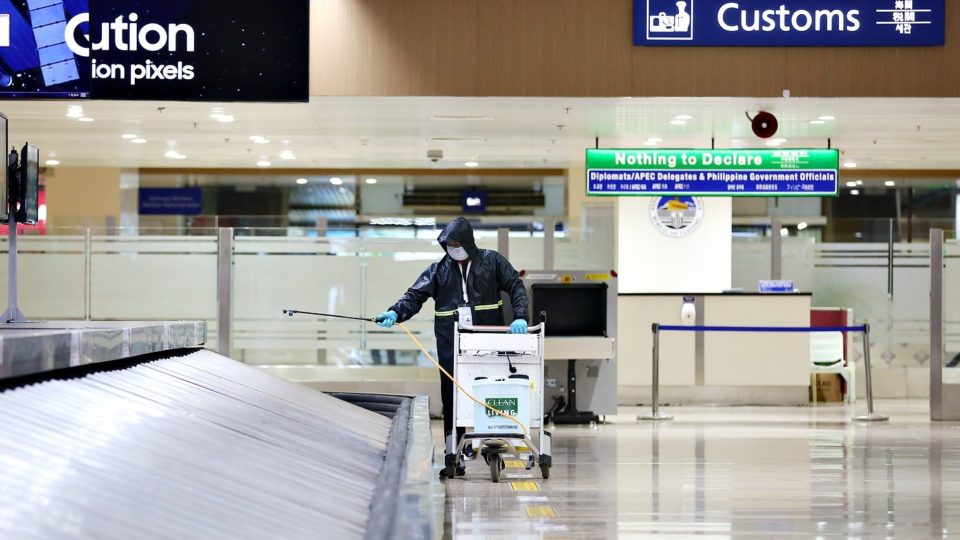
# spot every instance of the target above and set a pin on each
(168, 50)
(4, 180)
(29, 184)
(36, 60)
(574, 309)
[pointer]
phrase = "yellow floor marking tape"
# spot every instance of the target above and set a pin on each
(540, 511)
(513, 464)
(525, 486)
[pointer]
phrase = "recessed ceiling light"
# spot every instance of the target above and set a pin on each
(52, 163)
(287, 155)
(890, 183)
(128, 136)
(655, 140)
(302, 181)
(776, 142)
(859, 182)
(678, 122)
(471, 164)
(173, 154)
(802, 225)
(74, 111)
(851, 184)
(336, 181)
(223, 118)
(784, 231)
(649, 143)
(684, 117)
(138, 141)
(854, 191)
(371, 181)
(263, 163)
(817, 122)
(850, 165)
(827, 118)
(256, 138)
(85, 119)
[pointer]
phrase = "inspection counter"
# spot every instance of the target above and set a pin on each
(715, 367)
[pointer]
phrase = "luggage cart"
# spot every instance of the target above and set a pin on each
(489, 352)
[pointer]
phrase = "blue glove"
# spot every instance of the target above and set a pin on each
(387, 319)
(518, 326)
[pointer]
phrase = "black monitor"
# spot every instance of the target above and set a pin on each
(573, 309)
(29, 185)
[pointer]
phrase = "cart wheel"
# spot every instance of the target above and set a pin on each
(545, 463)
(495, 465)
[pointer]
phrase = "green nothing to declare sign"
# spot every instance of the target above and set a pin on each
(734, 173)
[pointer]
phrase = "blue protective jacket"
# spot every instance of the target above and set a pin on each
(490, 273)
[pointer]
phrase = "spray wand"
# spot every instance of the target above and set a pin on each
(526, 432)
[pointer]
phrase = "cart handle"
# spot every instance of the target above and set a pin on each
(496, 329)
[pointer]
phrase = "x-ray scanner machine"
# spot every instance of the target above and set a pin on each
(581, 342)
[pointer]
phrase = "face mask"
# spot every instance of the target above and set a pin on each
(458, 253)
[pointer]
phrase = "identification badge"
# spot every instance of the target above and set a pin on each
(465, 315)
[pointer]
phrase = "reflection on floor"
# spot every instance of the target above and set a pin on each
(766, 472)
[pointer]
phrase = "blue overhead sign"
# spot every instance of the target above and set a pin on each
(789, 23)
(171, 201)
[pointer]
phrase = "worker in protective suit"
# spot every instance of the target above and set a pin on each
(465, 286)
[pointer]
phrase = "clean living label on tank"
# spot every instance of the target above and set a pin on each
(789, 23)
(743, 173)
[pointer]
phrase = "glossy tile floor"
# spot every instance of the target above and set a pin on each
(762, 472)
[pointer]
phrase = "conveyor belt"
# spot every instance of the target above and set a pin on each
(199, 446)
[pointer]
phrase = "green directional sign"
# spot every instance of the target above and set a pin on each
(735, 173)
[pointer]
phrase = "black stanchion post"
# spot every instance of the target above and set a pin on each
(871, 416)
(656, 414)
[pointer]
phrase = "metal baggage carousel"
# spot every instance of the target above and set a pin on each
(180, 442)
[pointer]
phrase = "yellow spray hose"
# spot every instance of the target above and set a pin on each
(467, 393)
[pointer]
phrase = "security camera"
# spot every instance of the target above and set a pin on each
(434, 155)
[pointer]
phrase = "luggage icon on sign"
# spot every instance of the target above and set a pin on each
(677, 23)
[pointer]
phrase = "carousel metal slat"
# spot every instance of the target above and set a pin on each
(194, 447)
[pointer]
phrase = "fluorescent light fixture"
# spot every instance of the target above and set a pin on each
(655, 140)
(85, 119)
(818, 122)
(859, 182)
(226, 119)
(287, 155)
(371, 181)
(263, 163)
(138, 141)
(678, 122)
(684, 117)
(470, 118)
(890, 183)
(336, 180)
(784, 232)
(854, 191)
(173, 154)
(850, 164)
(851, 184)
(649, 143)
(471, 164)
(128, 136)
(776, 142)
(52, 163)
(74, 111)
(802, 225)
(302, 181)
(827, 118)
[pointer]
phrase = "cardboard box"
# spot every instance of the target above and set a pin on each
(829, 388)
